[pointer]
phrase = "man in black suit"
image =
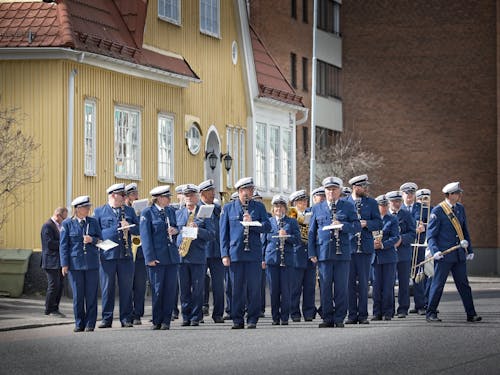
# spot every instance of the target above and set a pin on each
(51, 262)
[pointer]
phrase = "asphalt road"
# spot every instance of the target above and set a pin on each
(401, 346)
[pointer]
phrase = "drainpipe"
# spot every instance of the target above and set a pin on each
(70, 142)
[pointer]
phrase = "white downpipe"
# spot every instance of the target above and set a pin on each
(312, 166)
(70, 142)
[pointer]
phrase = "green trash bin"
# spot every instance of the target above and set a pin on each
(13, 267)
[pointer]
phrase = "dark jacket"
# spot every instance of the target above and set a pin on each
(50, 246)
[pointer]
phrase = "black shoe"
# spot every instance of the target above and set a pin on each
(251, 325)
(474, 318)
(275, 323)
(238, 326)
(186, 323)
(226, 317)
(350, 321)
(218, 319)
(326, 325)
(127, 325)
(401, 315)
(308, 319)
(296, 320)
(136, 322)
(205, 310)
(413, 311)
(284, 322)
(89, 329)
(104, 324)
(376, 317)
(164, 327)
(363, 321)
(194, 323)
(339, 325)
(262, 315)
(387, 318)
(433, 319)
(156, 327)
(78, 329)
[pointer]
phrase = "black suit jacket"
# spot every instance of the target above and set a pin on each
(50, 245)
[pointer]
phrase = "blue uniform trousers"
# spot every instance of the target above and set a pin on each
(359, 273)
(404, 269)
(263, 282)
(139, 288)
(163, 283)
(459, 273)
(383, 289)
(228, 289)
(419, 294)
(84, 284)
(176, 301)
(108, 270)
(246, 276)
(336, 272)
(192, 285)
(303, 282)
(427, 282)
(279, 288)
(217, 275)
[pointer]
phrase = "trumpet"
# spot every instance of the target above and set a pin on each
(246, 232)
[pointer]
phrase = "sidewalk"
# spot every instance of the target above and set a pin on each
(28, 311)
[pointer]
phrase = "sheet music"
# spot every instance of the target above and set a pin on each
(205, 211)
(251, 223)
(190, 232)
(139, 205)
(333, 226)
(307, 217)
(106, 245)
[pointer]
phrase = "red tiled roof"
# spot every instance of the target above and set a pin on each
(272, 83)
(112, 28)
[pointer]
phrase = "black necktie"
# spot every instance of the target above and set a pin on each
(82, 223)
(162, 214)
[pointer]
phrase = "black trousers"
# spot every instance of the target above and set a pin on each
(54, 290)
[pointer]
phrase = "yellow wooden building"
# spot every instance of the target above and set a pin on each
(121, 91)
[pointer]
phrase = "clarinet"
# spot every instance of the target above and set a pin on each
(335, 232)
(358, 210)
(282, 240)
(124, 233)
(246, 232)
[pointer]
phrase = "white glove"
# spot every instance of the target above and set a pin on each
(470, 256)
(438, 255)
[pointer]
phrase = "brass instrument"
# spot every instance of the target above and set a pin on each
(136, 242)
(186, 241)
(335, 232)
(425, 203)
(304, 228)
(246, 231)
(124, 232)
(282, 239)
(377, 235)
(358, 211)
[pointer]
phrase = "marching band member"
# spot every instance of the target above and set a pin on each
(361, 249)
(193, 265)
(385, 263)
(303, 272)
(241, 250)
(257, 197)
(214, 261)
(447, 228)
(404, 250)
(158, 228)
(424, 194)
(332, 250)
(318, 195)
(80, 259)
(140, 277)
(117, 261)
(278, 258)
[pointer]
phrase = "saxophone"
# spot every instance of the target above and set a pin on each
(186, 242)
(358, 210)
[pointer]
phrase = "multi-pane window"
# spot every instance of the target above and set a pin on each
(293, 5)
(89, 145)
(210, 17)
(170, 10)
(328, 80)
(329, 16)
(165, 148)
(293, 69)
(305, 78)
(274, 157)
(286, 160)
(261, 156)
(305, 11)
(127, 143)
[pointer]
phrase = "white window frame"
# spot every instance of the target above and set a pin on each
(129, 159)
(262, 186)
(89, 169)
(213, 5)
(274, 165)
(166, 166)
(286, 149)
(162, 5)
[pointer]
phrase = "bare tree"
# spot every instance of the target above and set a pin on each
(18, 163)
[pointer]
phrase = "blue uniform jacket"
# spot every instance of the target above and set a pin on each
(321, 242)
(271, 252)
(441, 234)
(300, 256)
(232, 231)
(109, 223)
(50, 246)
(212, 249)
(206, 233)
(407, 232)
(369, 212)
(72, 252)
(156, 244)
(390, 232)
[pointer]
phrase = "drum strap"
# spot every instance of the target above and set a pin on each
(454, 221)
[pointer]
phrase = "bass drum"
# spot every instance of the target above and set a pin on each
(429, 266)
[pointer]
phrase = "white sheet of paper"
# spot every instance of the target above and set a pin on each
(106, 245)
(285, 236)
(190, 232)
(307, 217)
(251, 223)
(205, 211)
(139, 205)
(333, 226)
